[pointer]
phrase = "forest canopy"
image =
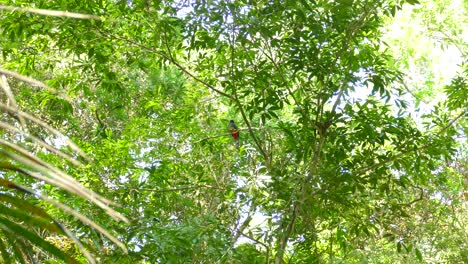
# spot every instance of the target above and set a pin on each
(235, 131)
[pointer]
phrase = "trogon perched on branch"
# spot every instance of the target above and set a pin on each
(234, 132)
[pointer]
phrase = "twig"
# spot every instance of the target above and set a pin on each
(216, 136)
(178, 189)
(173, 60)
(402, 154)
(226, 134)
(409, 90)
(235, 98)
(238, 231)
(280, 71)
(282, 243)
(255, 240)
(350, 32)
(421, 197)
(449, 39)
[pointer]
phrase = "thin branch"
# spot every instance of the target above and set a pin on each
(280, 71)
(350, 32)
(421, 197)
(282, 243)
(194, 187)
(197, 79)
(173, 60)
(338, 99)
(409, 90)
(226, 134)
(235, 98)
(257, 142)
(238, 231)
(216, 136)
(402, 154)
(47, 12)
(449, 39)
(302, 193)
(207, 85)
(256, 240)
(313, 168)
(451, 122)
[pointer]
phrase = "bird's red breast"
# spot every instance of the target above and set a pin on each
(235, 135)
(233, 129)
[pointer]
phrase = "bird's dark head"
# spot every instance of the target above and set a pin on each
(231, 121)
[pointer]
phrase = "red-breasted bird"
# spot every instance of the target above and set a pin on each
(234, 131)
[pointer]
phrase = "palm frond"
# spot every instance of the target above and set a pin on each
(22, 223)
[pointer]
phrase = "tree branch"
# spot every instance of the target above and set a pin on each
(256, 240)
(349, 33)
(317, 150)
(402, 154)
(185, 188)
(281, 73)
(421, 197)
(241, 229)
(173, 61)
(239, 104)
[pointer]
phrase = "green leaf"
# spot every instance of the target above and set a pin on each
(412, 2)
(418, 254)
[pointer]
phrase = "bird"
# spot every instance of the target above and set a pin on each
(234, 131)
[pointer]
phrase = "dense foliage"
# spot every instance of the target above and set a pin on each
(336, 161)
